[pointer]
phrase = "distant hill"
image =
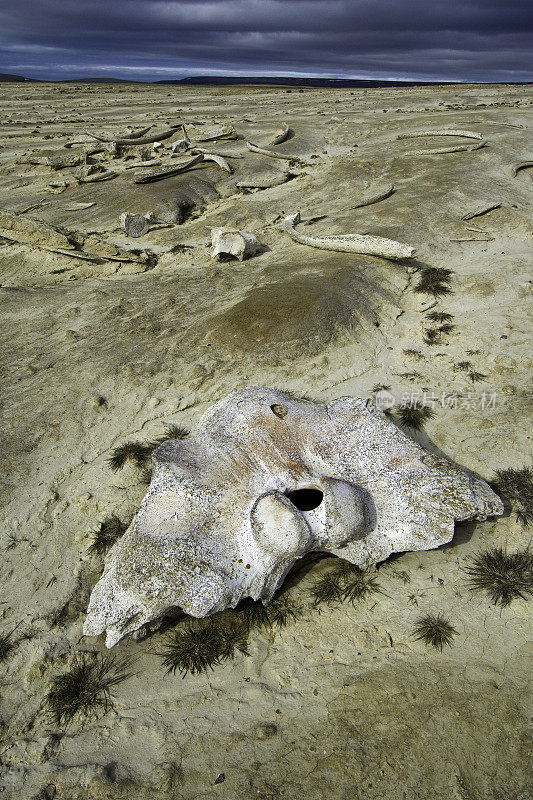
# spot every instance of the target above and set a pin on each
(341, 83)
(99, 80)
(6, 77)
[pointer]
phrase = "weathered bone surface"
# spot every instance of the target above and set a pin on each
(264, 479)
(441, 132)
(231, 242)
(349, 242)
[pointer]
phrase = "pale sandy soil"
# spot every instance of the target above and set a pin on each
(97, 353)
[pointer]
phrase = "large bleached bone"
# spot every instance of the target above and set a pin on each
(441, 132)
(523, 165)
(265, 152)
(281, 136)
(349, 242)
(232, 242)
(264, 479)
(219, 160)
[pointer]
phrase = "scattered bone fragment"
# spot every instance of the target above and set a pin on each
(57, 187)
(179, 146)
(232, 242)
(480, 211)
(212, 152)
(349, 243)
(88, 175)
(381, 194)
(211, 133)
(441, 132)
(437, 150)
(79, 206)
(265, 152)
(68, 158)
(134, 225)
(159, 174)
(157, 146)
(281, 136)
(222, 163)
(155, 137)
(141, 164)
(522, 165)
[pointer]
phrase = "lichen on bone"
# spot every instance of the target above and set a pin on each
(263, 480)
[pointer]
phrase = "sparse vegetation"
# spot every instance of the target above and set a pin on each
(505, 576)
(7, 645)
(110, 530)
(129, 451)
(434, 281)
(380, 387)
(345, 582)
(139, 453)
(282, 611)
(432, 336)
(411, 352)
(439, 316)
(85, 690)
(515, 486)
(434, 630)
(253, 613)
(463, 366)
(475, 377)
(414, 416)
(203, 644)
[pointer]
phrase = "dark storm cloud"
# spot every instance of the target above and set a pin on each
(487, 40)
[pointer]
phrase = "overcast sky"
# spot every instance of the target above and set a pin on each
(467, 40)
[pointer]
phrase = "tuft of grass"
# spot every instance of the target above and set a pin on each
(434, 630)
(282, 611)
(505, 576)
(414, 417)
(85, 690)
(439, 316)
(412, 353)
(434, 281)
(7, 645)
(464, 366)
(253, 614)
(202, 645)
(110, 530)
(129, 451)
(475, 377)
(432, 336)
(359, 583)
(411, 376)
(380, 387)
(516, 489)
(172, 432)
(328, 589)
(447, 328)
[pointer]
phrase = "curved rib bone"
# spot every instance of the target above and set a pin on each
(134, 140)
(263, 150)
(281, 136)
(150, 175)
(443, 132)
(522, 165)
(375, 198)
(349, 243)
(222, 163)
(436, 150)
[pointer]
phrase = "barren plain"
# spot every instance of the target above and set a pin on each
(115, 338)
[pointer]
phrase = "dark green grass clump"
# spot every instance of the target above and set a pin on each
(516, 489)
(110, 530)
(434, 281)
(505, 576)
(413, 416)
(7, 645)
(203, 644)
(439, 316)
(345, 582)
(129, 451)
(282, 611)
(85, 690)
(434, 630)
(139, 453)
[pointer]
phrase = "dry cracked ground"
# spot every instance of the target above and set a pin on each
(130, 335)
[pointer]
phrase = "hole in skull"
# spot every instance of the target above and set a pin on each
(306, 499)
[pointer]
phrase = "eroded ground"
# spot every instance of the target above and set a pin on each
(344, 702)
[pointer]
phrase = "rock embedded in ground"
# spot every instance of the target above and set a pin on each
(134, 224)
